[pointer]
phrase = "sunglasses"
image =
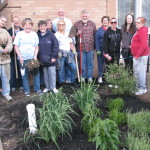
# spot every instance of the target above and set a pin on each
(61, 24)
(27, 19)
(137, 22)
(113, 22)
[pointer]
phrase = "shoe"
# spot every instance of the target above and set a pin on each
(90, 80)
(8, 98)
(141, 91)
(82, 79)
(21, 88)
(27, 93)
(55, 90)
(46, 90)
(13, 89)
(116, 86)
(39, 92)
(68, 81)
(100, 80)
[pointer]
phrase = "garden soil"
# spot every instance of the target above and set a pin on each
(13, 120)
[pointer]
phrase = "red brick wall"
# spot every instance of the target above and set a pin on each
(43, 9)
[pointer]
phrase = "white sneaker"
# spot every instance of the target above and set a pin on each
(110, 85)
(141, 91)
(46, 90)
(82, 79)
(55, 90)
(100, 80)
(8, 98)
(90, 80)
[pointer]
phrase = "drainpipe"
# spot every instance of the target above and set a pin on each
(31, 118)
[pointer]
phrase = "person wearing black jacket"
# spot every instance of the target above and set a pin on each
(14, 81)
(112, 40)
(48, 55)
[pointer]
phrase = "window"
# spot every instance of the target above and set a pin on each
(124, 7)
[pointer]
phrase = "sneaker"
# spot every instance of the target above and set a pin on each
(82, 79)
(13, 89)
(68, 81)
(27, 93)
(90, 80)
(55, 90)
(141, 91)
(100, 80)
(46, 90)
(39, 92)
(21, 88)
(8, 98)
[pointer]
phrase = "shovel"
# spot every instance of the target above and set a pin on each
(22, 70)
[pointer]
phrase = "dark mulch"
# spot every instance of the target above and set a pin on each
(13, 121)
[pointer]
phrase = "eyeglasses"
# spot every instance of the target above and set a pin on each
(61, 24)
(27, 19)
(137, 22)
(113, 22)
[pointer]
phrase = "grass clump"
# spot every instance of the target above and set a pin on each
(86, 95)
(139, 122)
(140, 142)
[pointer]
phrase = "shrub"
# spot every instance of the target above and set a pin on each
(86, 94)
(120, 79)
(118, 117)
(105, 134)
(139, 122)
(117, 103)
(54, 117)
(140, 142)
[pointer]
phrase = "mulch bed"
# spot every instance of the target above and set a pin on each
(13, 121)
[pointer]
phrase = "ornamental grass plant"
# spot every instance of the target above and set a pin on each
(54, 117)
(86, 95)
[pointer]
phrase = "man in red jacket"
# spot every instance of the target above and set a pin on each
(140, 52)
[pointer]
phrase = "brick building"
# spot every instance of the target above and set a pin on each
(43, 9)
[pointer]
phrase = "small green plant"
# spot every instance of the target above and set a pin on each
(140, 142)
(89, 116)
(120, 80)
(117, 104)
(139, 122)
(105, 134)
(117, 116)
(87, 94)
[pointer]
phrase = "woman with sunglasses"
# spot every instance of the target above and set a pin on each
(127, 30)
(26, 46)
(140, 51)
(65, 56)
(112, 40)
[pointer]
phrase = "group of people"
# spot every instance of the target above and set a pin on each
(55, 48)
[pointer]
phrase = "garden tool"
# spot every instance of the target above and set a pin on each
(22, 69)
(72, 34)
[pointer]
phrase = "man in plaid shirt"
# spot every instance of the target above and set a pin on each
(86, 28)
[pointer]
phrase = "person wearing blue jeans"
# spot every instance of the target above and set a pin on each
(85, 36)
(26, 46)
(99, 36)
(72, 69)
(65, 54)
